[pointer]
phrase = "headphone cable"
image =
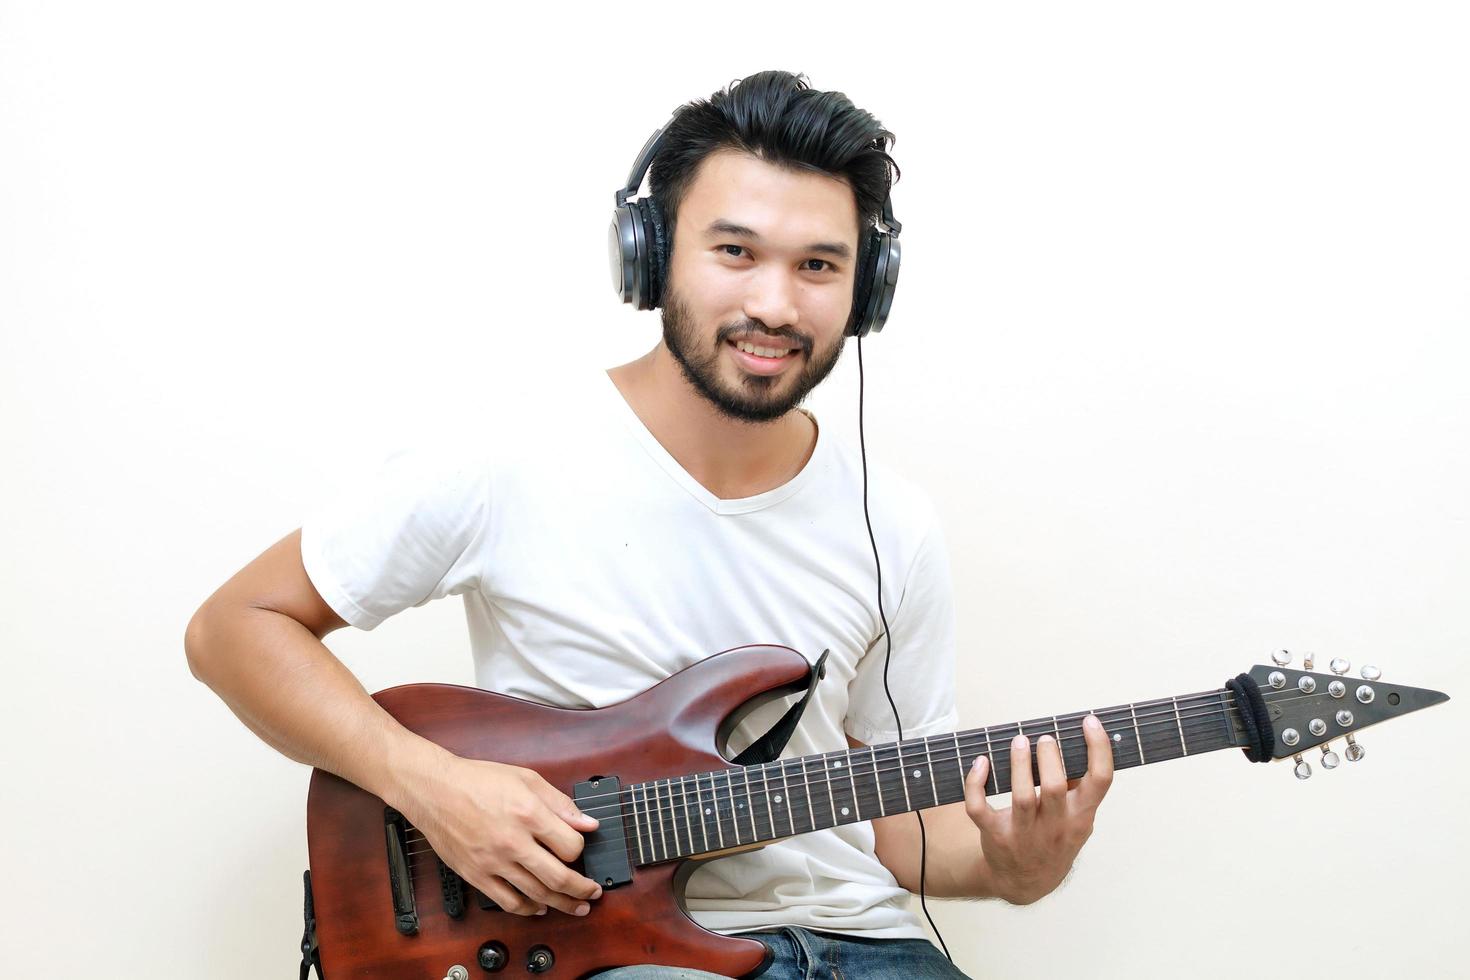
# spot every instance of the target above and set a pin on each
(888, 650)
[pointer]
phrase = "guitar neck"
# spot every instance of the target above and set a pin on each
(708, 812)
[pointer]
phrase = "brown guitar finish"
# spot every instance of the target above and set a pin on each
(673, 728)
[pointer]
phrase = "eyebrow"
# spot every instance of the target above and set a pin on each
(720, 227)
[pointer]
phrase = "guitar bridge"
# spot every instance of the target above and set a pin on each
(400, 879)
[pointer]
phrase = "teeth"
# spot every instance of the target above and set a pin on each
(761, 351)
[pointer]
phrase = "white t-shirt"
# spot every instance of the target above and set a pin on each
(592, 566)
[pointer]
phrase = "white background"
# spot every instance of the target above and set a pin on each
(1179, 350)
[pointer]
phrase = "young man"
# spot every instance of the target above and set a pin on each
(697, 510)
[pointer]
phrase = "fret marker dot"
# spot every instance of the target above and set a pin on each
(777, 798)
(708, 811)
(917, 775)
(740, 805)
(1117, 736)
(844, 811)
(836, 765)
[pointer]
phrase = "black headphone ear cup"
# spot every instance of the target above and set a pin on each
(659, 260)
(862, 287)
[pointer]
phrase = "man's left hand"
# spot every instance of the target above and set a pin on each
(1030, 846)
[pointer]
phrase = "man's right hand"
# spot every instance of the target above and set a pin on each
(506, 831)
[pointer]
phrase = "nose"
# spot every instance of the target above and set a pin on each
(772, 299)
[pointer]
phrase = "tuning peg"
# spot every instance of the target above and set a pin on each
(1370, 672)
(1329, 757)
(1303, 768)
(1354, 750)
(1340, 666)
(1307, 660)
(1281, 657)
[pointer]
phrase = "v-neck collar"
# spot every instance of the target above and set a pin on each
(697, 490)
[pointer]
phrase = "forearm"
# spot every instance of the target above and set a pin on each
(955, 865)
(287, 687)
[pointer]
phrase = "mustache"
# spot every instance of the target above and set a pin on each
(754, 333)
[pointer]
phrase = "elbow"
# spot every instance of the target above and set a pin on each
(196, 644)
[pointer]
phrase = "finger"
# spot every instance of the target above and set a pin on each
(533, 887)
(976, 803)
(553, 831)
(1053, 773)
(1023, 790)
(561, 804)
(499, 891)
(1099, 776)
(559, 878)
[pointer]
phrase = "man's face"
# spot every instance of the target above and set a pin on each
(786, 287)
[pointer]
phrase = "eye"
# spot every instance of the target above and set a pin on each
(737, 248)
(824, 262)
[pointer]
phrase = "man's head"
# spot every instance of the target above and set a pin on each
(767, 191)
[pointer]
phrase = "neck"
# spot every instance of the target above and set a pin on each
(729, 457)
(704, 813)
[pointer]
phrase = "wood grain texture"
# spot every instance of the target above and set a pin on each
(673, 728)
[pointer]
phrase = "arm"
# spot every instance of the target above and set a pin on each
(1021, 853)
(257, 643)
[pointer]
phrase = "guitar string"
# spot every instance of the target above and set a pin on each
(678, 815)
(890, 752)
(1199, 721)
(662, 793)
(1126, 713)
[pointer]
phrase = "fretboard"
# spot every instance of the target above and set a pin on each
(706, 812)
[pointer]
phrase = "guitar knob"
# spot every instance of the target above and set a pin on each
(493, 956)
(1281, 657)
(457, 972)
(1303, 768)
(539, 960)
(1329, 758)
(1340, 666)
(1370, 672)
(1354, 750)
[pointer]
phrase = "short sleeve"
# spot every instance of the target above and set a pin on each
(408, 533)
(921, 674)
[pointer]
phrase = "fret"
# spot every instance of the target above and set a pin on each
(760, 802)
(1137, 737)
(1000, 763)
(840, 794)
(908, 773)
(948, 786)
(688, 816)
(932, 776)
(666, 794)
(1073, 743)
(699, 805)
(798, 799)
(990, 754)
(658, 816)
(728, 801)
(674, 814)
(749, 806)
(892, 787)
(782, 800)
(959, 759)
(1157, 726)
(872, 773)
(635, 794)
(1122, 735)
(806, 785)
(713, 810)
(857, 811)
(1179, 722)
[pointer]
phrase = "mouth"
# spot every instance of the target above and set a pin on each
(758, 359)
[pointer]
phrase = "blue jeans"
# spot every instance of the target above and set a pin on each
(802, 954)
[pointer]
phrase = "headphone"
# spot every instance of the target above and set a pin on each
(638, 252)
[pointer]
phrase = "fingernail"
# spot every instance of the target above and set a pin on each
(1091, 723)
(1047, 738)
(540, 911)
(583, 909)
(1021, 742)
(597, 892)
(980, 763)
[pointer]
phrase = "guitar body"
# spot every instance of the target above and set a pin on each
(675, 727)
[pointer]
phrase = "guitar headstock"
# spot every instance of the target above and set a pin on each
(1308, 710)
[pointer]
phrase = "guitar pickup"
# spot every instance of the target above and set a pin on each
(605, 851)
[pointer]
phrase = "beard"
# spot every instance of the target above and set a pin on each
(754, 398)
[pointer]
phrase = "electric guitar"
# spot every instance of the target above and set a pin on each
(652, 771)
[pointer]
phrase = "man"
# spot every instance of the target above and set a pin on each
(698, 509)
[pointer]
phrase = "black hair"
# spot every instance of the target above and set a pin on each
(780, 118)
